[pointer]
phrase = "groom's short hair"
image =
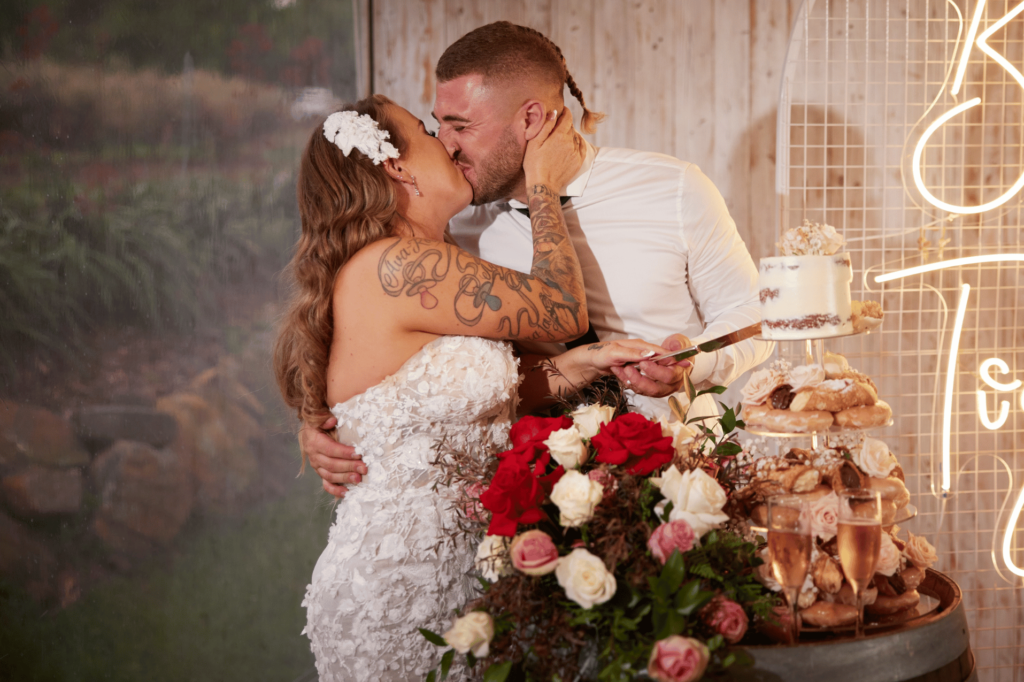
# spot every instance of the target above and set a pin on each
(504, 52)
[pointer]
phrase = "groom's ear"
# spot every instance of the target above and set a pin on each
(533, 113)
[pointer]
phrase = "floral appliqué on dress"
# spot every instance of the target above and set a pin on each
(386, 570)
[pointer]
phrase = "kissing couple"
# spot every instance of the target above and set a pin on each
(433, 272)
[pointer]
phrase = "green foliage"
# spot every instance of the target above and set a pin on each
(630, 624)
(225, 605)
(154, 259)
(217, 33)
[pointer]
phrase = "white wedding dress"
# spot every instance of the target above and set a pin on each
(388, 569)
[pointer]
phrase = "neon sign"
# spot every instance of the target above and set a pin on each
(1004, 406)
(981, 42)
(985, 370)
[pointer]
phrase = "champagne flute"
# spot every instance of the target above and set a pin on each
(860, 542)
(789, 544)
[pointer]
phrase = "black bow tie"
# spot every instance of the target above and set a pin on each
(526, 211)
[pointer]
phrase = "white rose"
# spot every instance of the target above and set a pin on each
(492, 557)
(576, 495)
(920, 551)
(696, 498)
(585, 579)
(759, 386)
(825, 516)
(588, 419)
(567, 447)
(888, 556)
(473, 632)
(805, 377)
(681, 433)
(874, 458)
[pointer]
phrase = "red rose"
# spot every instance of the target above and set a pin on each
(726, 618)
(519, 488)
(634, 441)
(536, 429)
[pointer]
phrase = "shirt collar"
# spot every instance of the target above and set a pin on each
(578, 184)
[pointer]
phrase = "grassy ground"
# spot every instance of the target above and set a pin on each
(226, 606)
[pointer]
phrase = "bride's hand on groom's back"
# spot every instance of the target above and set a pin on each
(335, 463)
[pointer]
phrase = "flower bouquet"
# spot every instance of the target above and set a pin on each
(607, 549)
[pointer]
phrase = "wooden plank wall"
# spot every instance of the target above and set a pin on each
(697, 79)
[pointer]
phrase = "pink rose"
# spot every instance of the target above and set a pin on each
(825, 516)
(726, 618)
(671, 536)
(677, 659)
(607, 481)
(474, 510)
(534, 553)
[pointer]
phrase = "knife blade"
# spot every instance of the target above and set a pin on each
(714, 344)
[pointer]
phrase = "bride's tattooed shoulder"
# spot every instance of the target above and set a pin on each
(412, 267)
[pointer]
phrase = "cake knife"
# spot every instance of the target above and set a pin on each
(712, 345)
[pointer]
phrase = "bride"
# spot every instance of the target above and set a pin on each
(405, 335)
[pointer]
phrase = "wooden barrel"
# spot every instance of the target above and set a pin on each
(931, 648)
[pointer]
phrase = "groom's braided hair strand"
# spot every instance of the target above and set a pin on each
(503, 51)
(590, 118)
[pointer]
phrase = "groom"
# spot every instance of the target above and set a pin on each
(660, 254)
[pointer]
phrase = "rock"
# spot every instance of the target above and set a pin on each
(11, 456)
(145, 497)
(43, 437)
(26, 558)
(38, 491)
(213, 442)
(104, 424)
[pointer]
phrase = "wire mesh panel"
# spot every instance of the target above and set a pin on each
(901, 124)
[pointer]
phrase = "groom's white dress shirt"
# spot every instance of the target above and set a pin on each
(659, 251)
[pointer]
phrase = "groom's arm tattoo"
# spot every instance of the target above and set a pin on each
(553, 259)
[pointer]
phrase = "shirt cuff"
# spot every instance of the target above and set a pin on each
(703, 366)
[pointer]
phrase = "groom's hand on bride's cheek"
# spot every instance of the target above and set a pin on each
(654, 379)
(335, 463)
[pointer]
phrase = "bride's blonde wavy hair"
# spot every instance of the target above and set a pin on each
(345, 204)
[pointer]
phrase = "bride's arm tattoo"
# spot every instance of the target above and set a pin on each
(412, 267)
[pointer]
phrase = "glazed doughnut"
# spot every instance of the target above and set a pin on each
(846, 595)
(824, 614)
(912, 577)
(786, 421)
(884, 606)
(834, 395)
(865, 416)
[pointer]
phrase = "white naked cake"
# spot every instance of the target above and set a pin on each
(805, 293)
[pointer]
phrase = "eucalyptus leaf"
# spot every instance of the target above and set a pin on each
(446, 663)
(433, 637)
(498, 672)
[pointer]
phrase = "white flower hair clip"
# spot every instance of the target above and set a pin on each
(348, 129)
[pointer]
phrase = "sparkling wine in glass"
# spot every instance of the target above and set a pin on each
(860, 542)
(789, 544)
